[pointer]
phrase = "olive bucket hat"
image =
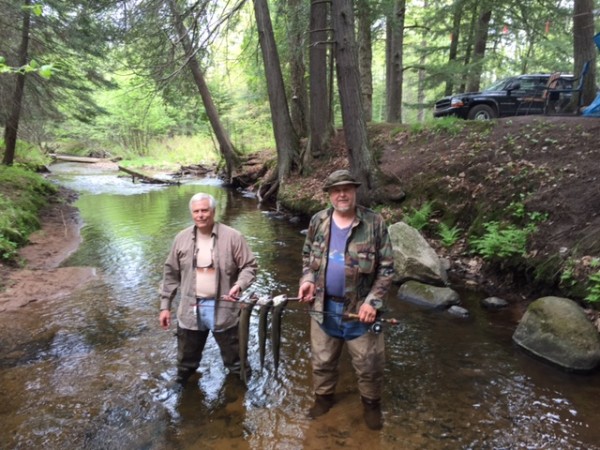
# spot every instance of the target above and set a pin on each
(338, 178)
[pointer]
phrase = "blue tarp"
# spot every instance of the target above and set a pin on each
(594, 109)
(597, 40)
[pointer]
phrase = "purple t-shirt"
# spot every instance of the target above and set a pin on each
(335, 274)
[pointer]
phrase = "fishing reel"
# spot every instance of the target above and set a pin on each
(376, 327)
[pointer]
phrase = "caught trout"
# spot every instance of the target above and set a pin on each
(279, 304)
(243, 335)
(265, 304)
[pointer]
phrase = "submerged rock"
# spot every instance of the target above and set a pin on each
(427, 295)
(459, 311)
(494, 303)
(557, 329)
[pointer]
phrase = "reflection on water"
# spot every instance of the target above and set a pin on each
(92, 371)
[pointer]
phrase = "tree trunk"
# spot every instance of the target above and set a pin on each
(320, 115)
(469, 46)
(285, 137)
(226, 148)
(12, 123)
(456, 19)
(299, 104)
(584, 48)
(394, 93)
(421, 76)
(365, 55)
(481, 37)
(355, 129)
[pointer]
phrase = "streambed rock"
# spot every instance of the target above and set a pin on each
(556, 329)
(428, 296)
(494, 303)
(414, 258)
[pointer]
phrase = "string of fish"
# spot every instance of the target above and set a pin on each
(276, 305)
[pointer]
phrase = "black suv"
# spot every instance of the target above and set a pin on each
(514, 96)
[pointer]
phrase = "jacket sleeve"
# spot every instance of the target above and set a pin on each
(385, 268)
(308, 274)
(171, 278)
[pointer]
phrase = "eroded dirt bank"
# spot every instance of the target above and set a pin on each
(40, 277)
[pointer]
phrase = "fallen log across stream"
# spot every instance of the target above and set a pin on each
(145, 178)
(79, 159)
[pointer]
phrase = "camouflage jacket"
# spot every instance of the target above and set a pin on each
(368, 259)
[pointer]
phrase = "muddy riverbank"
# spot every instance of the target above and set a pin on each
(39, 277)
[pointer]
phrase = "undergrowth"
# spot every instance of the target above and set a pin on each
(22, 194)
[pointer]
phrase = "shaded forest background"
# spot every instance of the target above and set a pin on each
(167, 83)
(130, 77)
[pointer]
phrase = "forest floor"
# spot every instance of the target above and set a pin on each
(478, 172)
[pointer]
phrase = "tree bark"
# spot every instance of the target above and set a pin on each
(468, 54)
(12, 124)
(453, 53)
(299, 103)
(365, 55)
(481, 37)
(355, 130)
(395, 52)
(321, 128)
(226, 148)
(422, 75)
(584, 48)
(285, 137)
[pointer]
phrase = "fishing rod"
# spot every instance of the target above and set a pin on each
(376, 326)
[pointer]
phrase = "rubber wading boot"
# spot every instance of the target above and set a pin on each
(372, 413)
(181, 379)
(323, 403)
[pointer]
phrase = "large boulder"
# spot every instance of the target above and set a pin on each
(428, 296)
(414, 259)
(557, 329)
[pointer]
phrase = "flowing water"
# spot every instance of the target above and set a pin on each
(92, 370)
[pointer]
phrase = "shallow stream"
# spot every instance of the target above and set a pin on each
(91, 370)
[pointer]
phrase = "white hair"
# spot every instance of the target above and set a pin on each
(212, 203)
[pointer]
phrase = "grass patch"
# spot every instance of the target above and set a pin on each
(450, 125)
(22, 195)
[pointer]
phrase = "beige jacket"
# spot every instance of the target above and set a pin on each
(234, 263)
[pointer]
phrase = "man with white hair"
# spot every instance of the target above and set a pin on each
(208, 261)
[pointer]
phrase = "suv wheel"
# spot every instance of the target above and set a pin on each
(481, 112)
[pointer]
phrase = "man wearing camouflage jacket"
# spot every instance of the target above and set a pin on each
(347, 269)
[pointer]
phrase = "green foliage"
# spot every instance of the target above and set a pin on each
(22, 194)
(448, 235)
(28, 155)
(500, 242)
(518, 210)
(567, 276)
(593, 295)
(45, 71)
(171, 153)
(450, 125)
(419, 218)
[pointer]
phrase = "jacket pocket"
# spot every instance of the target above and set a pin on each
(316, 256)
(366, 261)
